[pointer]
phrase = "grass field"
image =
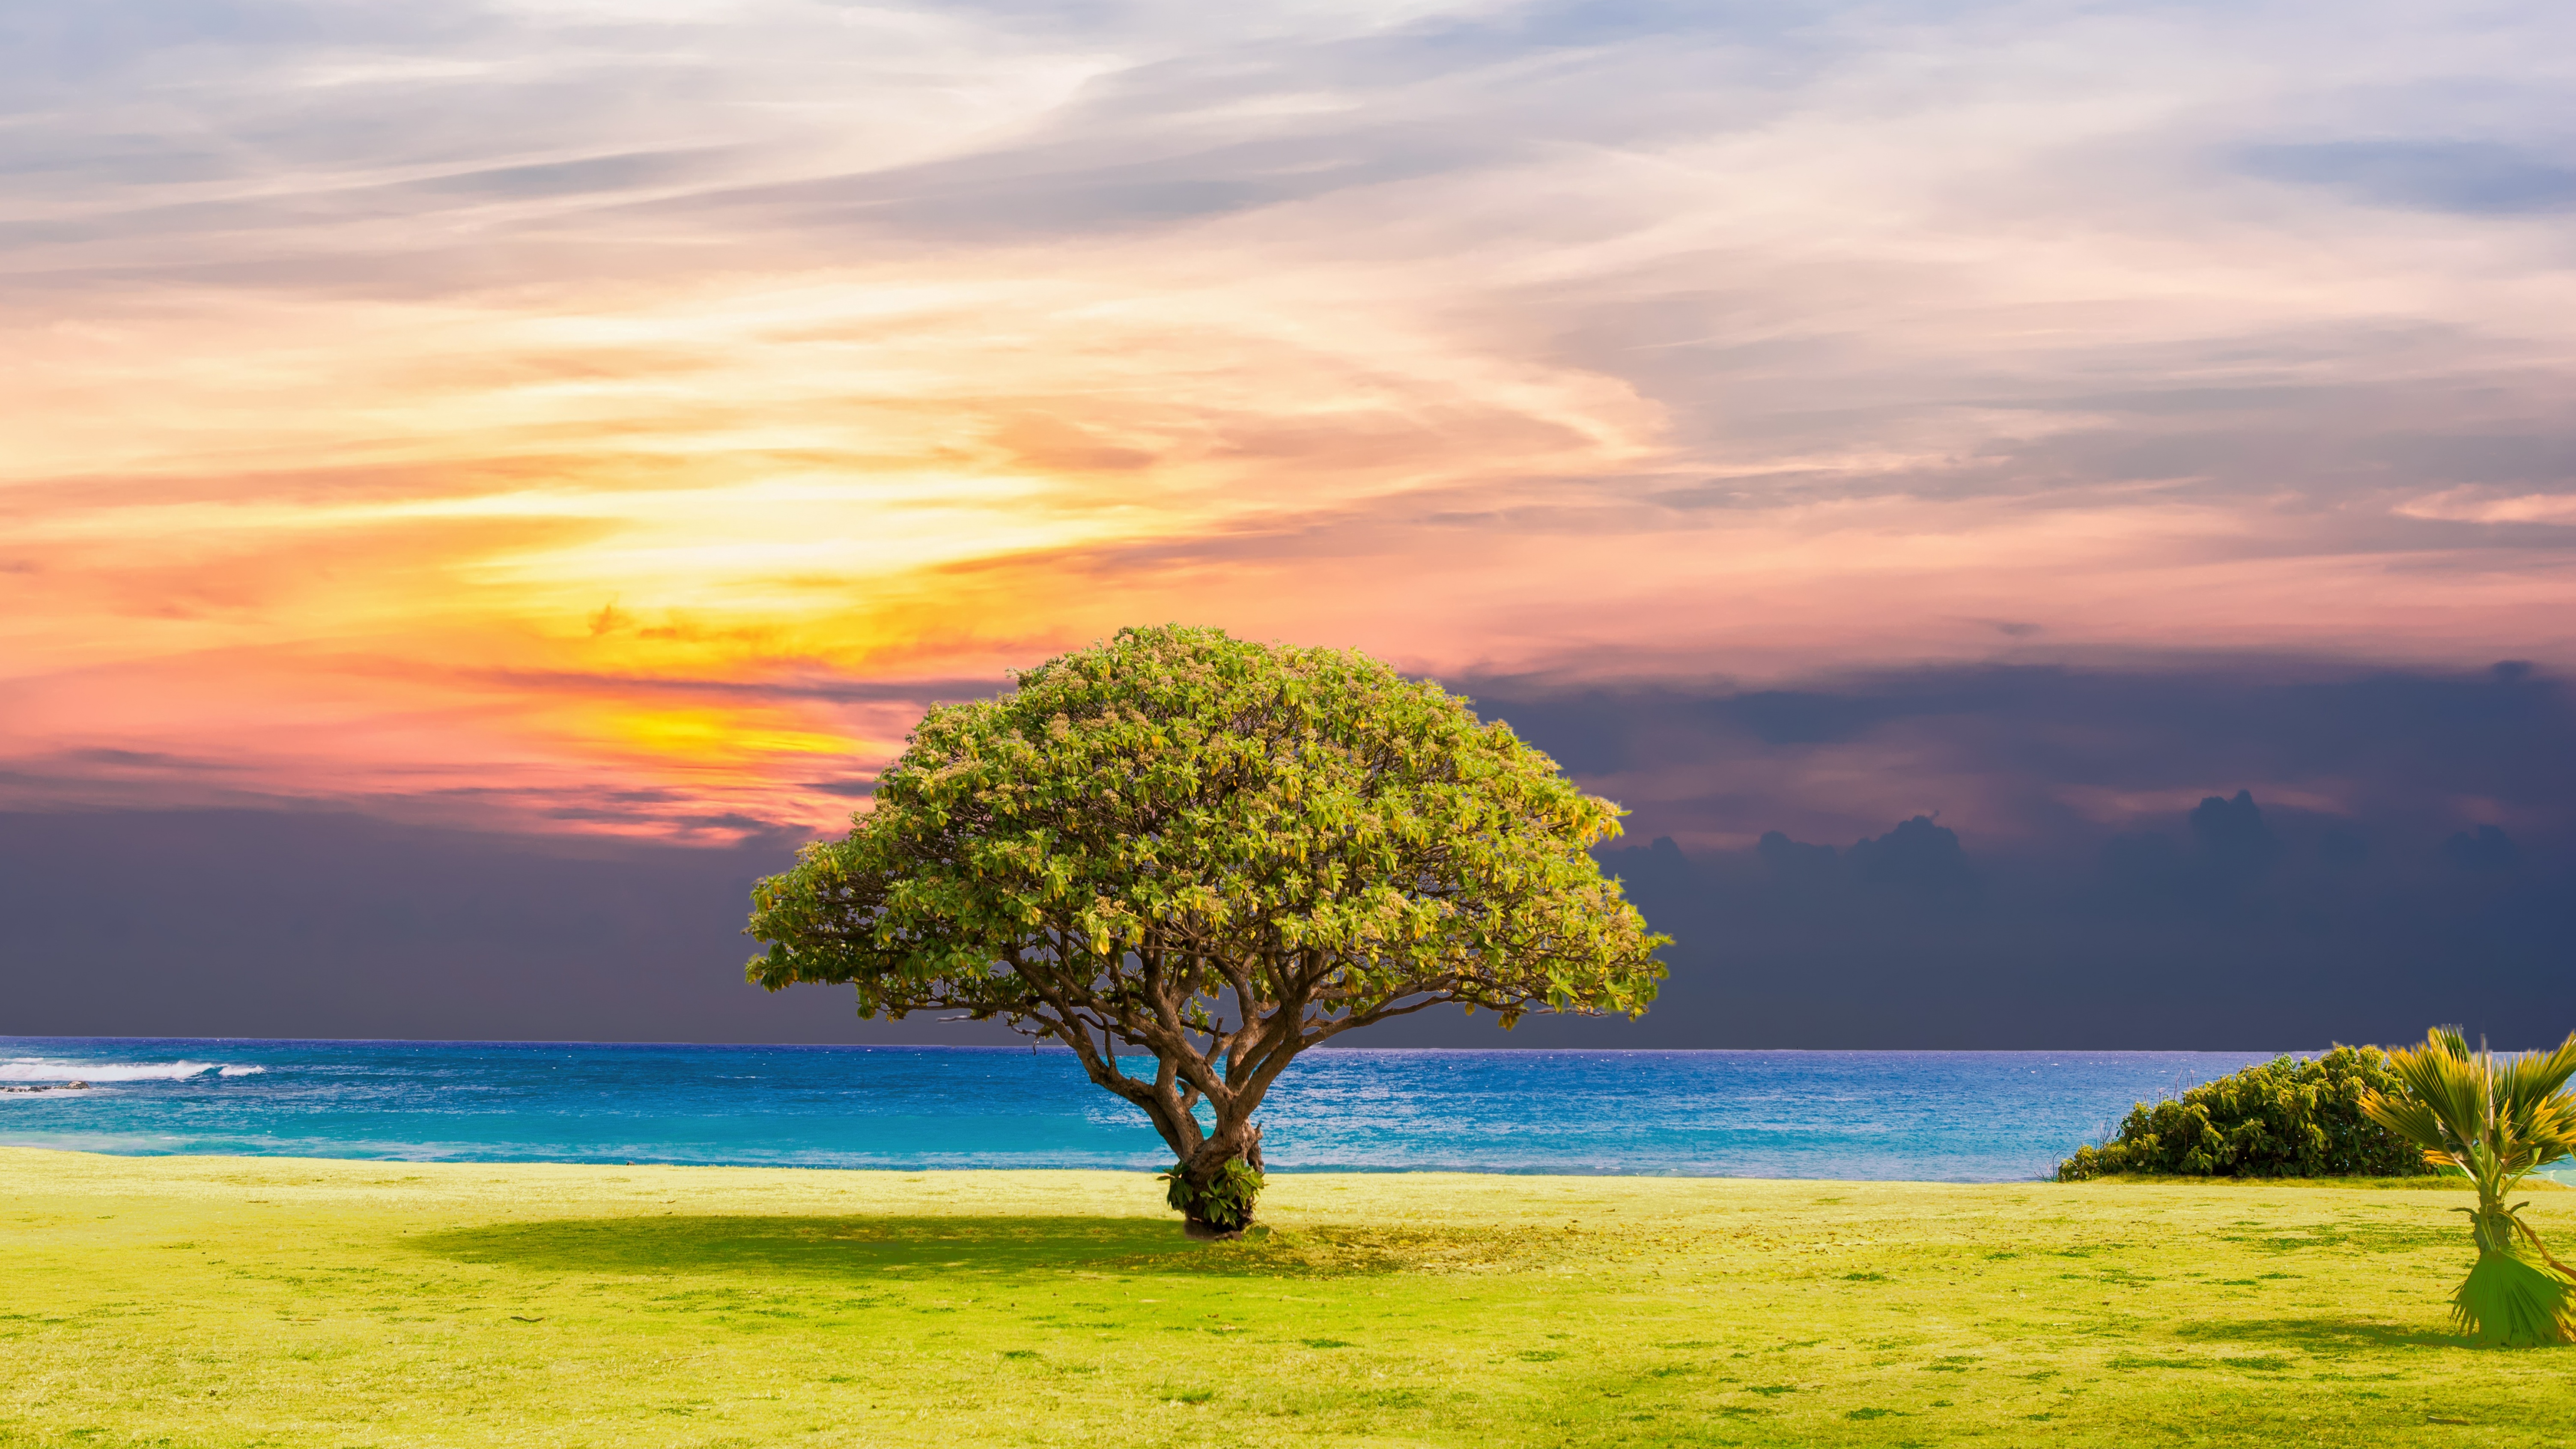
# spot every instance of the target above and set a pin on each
(237, 1301)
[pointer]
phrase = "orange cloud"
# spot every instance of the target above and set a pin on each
(649, 469)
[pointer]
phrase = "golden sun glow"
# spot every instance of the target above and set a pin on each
(606, 467)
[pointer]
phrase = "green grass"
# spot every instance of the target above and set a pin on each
(237, 1301)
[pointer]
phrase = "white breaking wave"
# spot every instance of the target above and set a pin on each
(40, 1069)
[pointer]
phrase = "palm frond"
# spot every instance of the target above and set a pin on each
(2497, 1120)
(2413, 1121)
(2508, 1301)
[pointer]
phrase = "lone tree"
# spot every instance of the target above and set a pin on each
(1216, 853)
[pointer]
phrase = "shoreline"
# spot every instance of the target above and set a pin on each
(1961, 1117)
(1276, 1174)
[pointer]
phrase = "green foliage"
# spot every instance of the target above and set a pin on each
(2289, 1117)
(2513, 1298)
(1217, 852)
(1224, 1204)
(2494, 1120)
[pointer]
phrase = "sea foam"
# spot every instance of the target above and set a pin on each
(40, 1069)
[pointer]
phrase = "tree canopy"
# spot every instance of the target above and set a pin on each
(1219, 853)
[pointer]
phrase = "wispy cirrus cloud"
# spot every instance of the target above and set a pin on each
(559, 400)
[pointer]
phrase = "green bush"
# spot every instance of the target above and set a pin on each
(2288, 1117)
(1224, 1204)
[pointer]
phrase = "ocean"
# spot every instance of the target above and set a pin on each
(1927, 1116)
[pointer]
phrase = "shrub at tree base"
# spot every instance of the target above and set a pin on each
(1224, 1206)
(2288, 1117)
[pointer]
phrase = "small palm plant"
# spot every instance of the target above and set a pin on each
(2493, 1119)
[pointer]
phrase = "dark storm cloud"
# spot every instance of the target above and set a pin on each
(264, 923)
(2486, 849)
(2151, 941)
(2136, 875)
(2026, 745)
(2439, 884)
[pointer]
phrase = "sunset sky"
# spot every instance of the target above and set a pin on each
(624, 417)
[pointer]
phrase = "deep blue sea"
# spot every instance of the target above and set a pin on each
(1944, 1116)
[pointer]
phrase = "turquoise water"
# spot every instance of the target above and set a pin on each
(1945, 1116)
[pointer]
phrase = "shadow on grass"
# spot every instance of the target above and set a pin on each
(2325, 1336)
(869, 1247)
